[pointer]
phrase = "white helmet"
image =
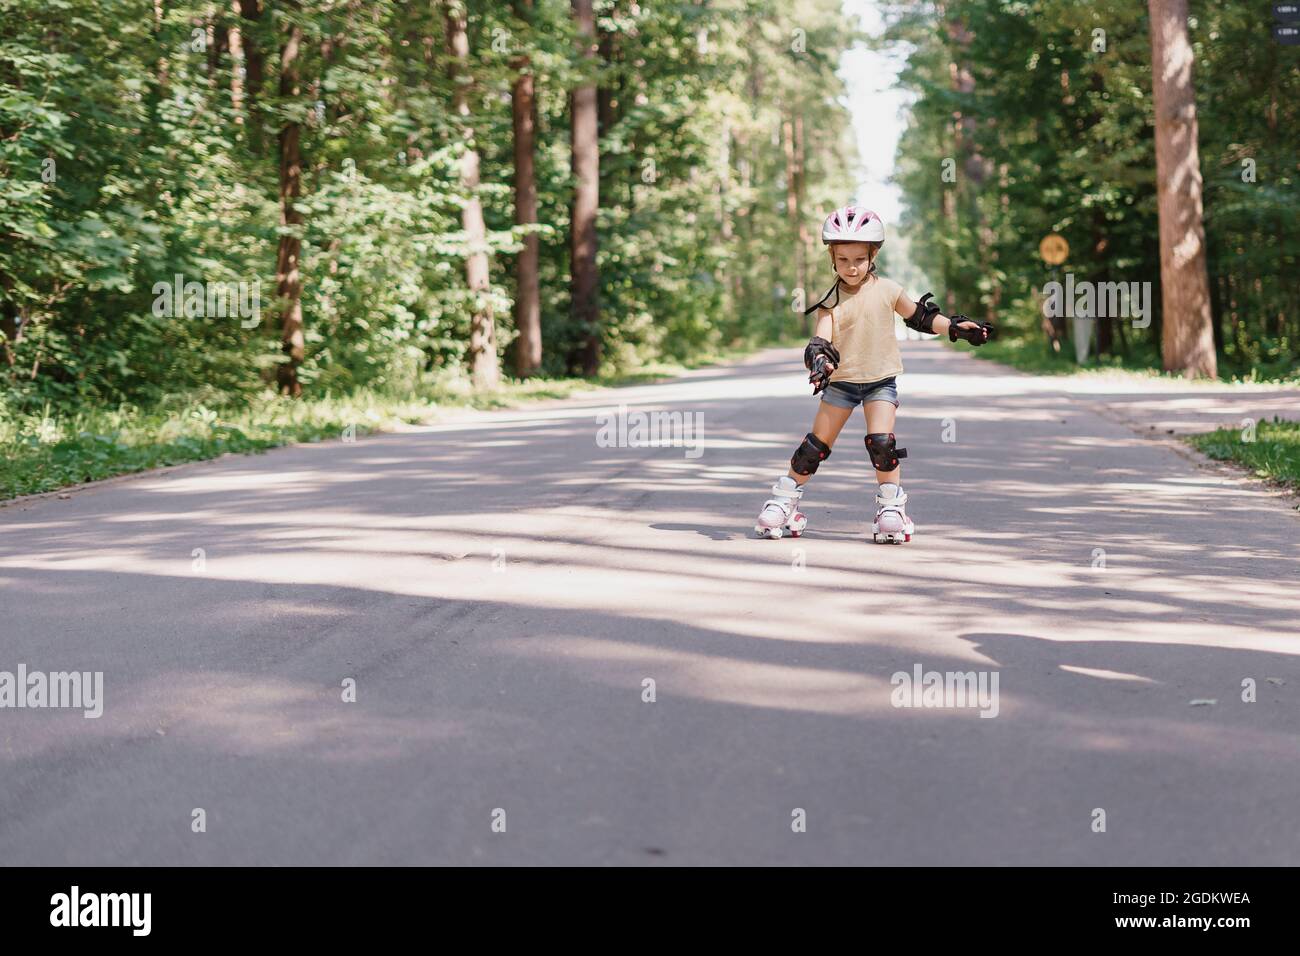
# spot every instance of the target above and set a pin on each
(853, 224)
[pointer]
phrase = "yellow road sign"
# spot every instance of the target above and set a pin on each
(1053, 249)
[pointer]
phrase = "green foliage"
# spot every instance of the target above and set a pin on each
(1048, 132)
(135, 149)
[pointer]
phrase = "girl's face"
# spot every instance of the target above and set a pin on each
(852, 260)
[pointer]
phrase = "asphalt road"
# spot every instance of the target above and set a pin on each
(501, 587)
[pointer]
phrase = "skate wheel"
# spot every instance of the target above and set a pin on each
(795, 534)
(907, 537)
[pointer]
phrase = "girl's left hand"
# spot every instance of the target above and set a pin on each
(976, 333)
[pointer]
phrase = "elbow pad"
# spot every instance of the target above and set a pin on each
(922, 319)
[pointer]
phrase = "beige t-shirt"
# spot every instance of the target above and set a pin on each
(862, 330)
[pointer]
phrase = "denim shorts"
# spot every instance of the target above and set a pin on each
(851, 394)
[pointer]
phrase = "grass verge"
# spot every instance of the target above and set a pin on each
(52, 450)
(1274, 454)
(1028, 351)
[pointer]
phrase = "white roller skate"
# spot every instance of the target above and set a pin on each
(892, 525)
(781, 512)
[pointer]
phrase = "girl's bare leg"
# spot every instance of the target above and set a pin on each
(826, 426)
(891, 526)
(880, 418)
(780, 514)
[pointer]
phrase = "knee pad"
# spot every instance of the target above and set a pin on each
(883, 451)
(809, 455)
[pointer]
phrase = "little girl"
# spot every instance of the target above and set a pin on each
(853, 355)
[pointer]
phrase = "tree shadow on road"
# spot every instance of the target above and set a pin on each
(501, 593)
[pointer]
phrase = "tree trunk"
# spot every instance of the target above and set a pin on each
(1187, 337)
(288, 278)
(237, 63)
(1105, 324)
(792, 211)
(484, 369)
(726, 227)
(585, 287)
(1216, 305)
(800, 204)
(254, 69)
(161, 73)
(528, 310)
(747, 213)
(11, 323)
(605, 117)
(218, 45)
(948, 212)
(970, 167)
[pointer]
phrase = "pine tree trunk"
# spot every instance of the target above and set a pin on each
(254, 69)
(11, 322)
(962, 196)
(605, 118)
(585, 287)
(726, 226)
(800, 195)
(161, 73)
(237, 63)
(218, 45)
(792, 212)
(528, 311)
(288, 278)
(484, 369)
(1187, 336)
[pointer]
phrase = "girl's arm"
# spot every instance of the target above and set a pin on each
(824, 324)
(977, 333)
(906, 308)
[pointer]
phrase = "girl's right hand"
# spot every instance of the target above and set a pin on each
(821, 373)
(819, 347)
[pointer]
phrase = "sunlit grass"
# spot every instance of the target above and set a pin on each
(1028, 351)
(1273, 454)
(51, 450)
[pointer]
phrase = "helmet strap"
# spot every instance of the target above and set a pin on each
(820, 303)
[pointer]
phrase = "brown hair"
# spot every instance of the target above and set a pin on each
(873, 249)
